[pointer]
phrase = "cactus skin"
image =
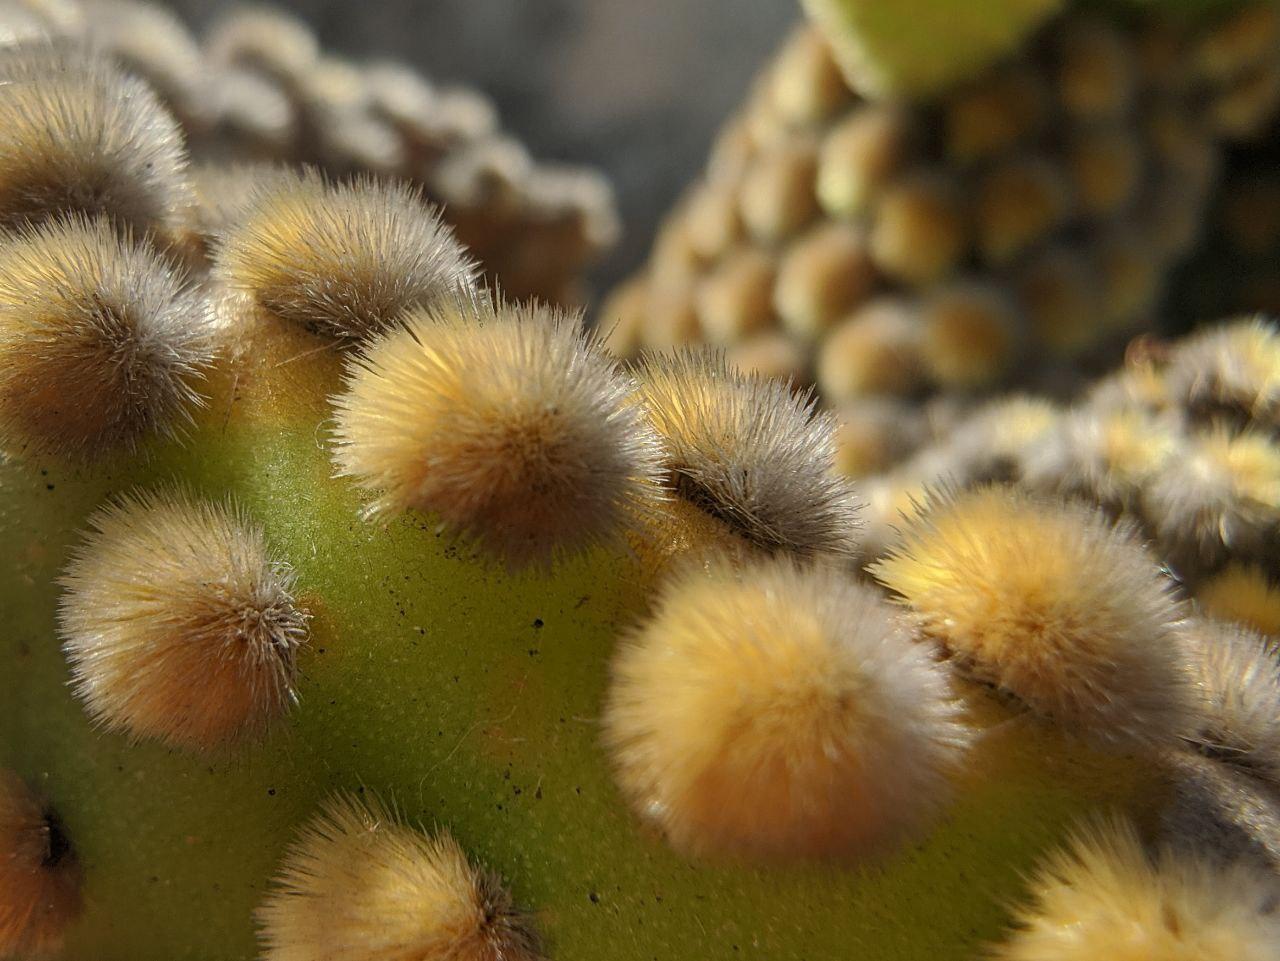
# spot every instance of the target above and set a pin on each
(923, 47)
(471, 698)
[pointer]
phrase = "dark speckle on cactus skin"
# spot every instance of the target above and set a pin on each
(59, 844)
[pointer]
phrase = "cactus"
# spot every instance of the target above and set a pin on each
(355, 612)
(1014, 227)
(1182, 442)
(404, 625)
(943, 45)
(259, 88)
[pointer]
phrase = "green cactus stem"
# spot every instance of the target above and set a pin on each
(922, 47)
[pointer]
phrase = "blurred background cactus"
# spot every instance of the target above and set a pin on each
(363, 603)
(1013, 221)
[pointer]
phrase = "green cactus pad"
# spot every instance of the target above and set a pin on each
(470, 698)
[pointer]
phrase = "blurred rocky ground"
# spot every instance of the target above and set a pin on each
(636, 88)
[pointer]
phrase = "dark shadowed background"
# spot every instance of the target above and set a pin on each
(636, 88)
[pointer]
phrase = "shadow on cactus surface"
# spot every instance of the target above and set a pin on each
(355, 610)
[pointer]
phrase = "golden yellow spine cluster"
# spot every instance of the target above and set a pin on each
(1105, 896)
(103, 342)
(339, 259)
(781, 711)
(509, 424)
(1050, 603)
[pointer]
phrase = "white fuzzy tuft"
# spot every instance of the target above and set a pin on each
(178, 623)
(508, 423)
(1237, 673)
(750, 452)
(343, 260)
(102, 342)
(1220, 498)
(79, 136)
(1233, 368)
(1104, 456)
